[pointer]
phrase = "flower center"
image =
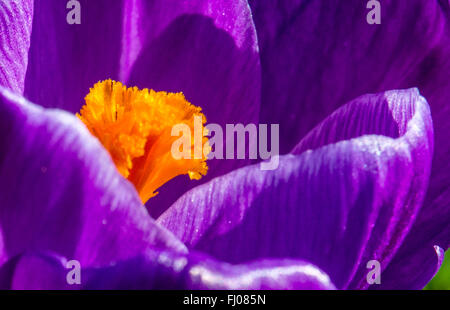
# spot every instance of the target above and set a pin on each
(135, 127)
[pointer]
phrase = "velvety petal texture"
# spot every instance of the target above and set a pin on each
(375, 173)
(206, 49)
(394, 114)
(66, 59)
(15, 32)
(62, 193)
(166, 270)
(337, 56)
(416, 271)
(318, 55)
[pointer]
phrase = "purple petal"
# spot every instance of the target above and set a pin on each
(337, 56)
(432, 226)
(166, 270)
(415, 273)
(15, 31)
(393, 114)
(66, 59)
(338, 205)
(62, 193)
(205, 49)
(7, 272)
(318, 55)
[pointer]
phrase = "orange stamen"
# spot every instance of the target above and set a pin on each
(135, 127)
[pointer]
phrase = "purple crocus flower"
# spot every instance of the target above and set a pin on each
(359, 179)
